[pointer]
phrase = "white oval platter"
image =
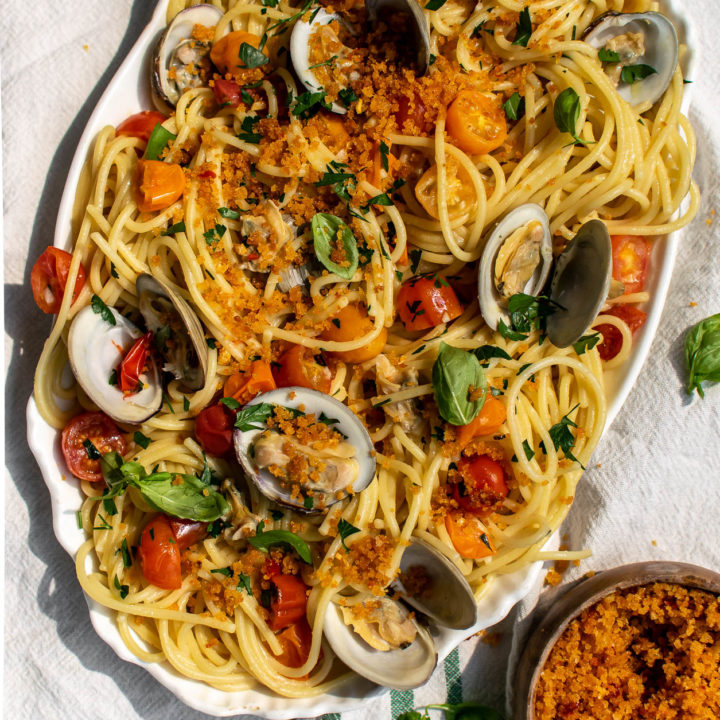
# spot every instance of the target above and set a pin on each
(126, 94)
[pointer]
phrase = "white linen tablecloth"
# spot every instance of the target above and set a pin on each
(652, 490)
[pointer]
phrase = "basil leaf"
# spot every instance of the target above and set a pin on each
(485, 352)
(509, 334)
(585, 343)
(110, 466)
(566, 111)
(102, 310)
(191, 499)
(265, 540)
(226, 571)
(329, 234)
(346, 529)
(309, 104)
(702, 353)
(514, 107)
(228, 213)
(632, 73)
(254, 414)
(605, 55)
(435, 4)
(252, 57)
(244, 583)
(523, 28)
(248, 133)
(562, 437)
(157, 142)
(142, 440)
(453, 374)
(230, 403)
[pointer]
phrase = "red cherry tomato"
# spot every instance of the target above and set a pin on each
(298, 366)
(426, 301)
(49, 277)
(289, 601)
(102, 432)
(141, 124)
(214, 428)
(159, 554)
(133, 364)
(187, 532)
(482, 485)
(611, 345)
(227, 92)
(412, 110)
(630, 261)
(295, 641)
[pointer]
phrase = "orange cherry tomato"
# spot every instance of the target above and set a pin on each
(187, 532)
(102, 432)
(631, 254)
(243, 387)
(460, 192)
(295, 641)
(134, 362)
(334, 134)
(157, 184)
(140, 125)
(426, 301)
(412, 115)
(225, 53)
(48, 279)
(487, 422)
(214, 429)
(468, 536)
(289, 601)
(159, 554)
(351, 323)
(482, 487)
(226, 92)
(476, 122)
(298, 366)
(612, 341)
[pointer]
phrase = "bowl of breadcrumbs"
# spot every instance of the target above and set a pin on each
(636, 642)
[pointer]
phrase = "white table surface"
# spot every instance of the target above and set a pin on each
(655, 496)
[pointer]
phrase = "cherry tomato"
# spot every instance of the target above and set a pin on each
(49, 277)
(157, 184)
(631, 254)
(214, 429)
(187, 532)
(460, 192)
(159, 554)
(476, 122)
(350, 323)
(482, 486)
(227, 92)
(225, 53)
(412, 111)
(140, 125)
(426, 301)
(468, 536)
(244, 386)
(289, 601)
(295, 641)
(612, 341)
(298, 366)
(487, 422)
(102, 432)
(134, 362)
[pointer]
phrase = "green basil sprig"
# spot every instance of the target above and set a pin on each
(454, 373)
(327, 230)
(566, 112)
(157, 142)
(191, 499)
(632, 73)
(702, 353)
(265, 540)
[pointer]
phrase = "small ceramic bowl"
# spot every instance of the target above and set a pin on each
(583, 595)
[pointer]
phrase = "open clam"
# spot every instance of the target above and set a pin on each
(96, 347)
(516, 259)
(180, 61)
(178, 334)
(641, 43)
(316, 466)
(580, 283)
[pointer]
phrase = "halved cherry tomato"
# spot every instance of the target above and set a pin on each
(227, 92)
(187, 532)
(298, 366)
(214, 429)
(243, 387)
(411, 115)
(612, 337)
(476, 122)
(295, 641)
(133, 363)
(289, 601)
(487, 422)
(159, 554)
(350, 323)
(225, 53)
(140, 125)
(102, 432)
(426, 301)
(631, 254)
(482, 487)
(49, 277)
(460, 192)
(157, 184)
(468, 536)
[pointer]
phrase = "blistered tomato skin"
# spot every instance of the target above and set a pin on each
(48, 279)
(214, 428)
(159, 554)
